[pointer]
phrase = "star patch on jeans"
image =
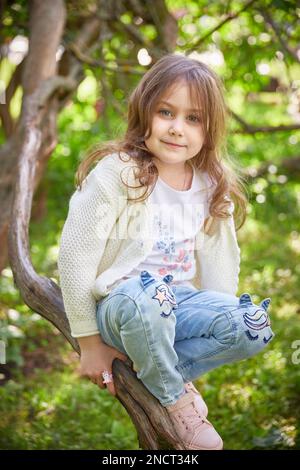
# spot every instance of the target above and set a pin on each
(164, 294)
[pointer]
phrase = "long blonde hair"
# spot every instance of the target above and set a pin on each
(206, 89)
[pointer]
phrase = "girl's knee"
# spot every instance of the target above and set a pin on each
(223, 329)
(257, 342)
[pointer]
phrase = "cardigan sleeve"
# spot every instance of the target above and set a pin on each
(219, 255)
(93, 211)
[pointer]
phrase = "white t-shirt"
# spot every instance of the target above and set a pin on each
(177, 217)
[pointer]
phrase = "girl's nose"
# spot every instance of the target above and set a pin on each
(177, 126)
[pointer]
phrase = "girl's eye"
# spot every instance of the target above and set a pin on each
(195, 118)
(162, 111)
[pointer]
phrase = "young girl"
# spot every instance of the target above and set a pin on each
(149, 259)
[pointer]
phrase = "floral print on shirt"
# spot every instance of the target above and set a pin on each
(178, 257)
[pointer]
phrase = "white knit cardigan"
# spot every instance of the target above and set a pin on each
(104, 237)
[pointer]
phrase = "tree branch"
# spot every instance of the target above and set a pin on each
(229, 17)
(165, 24)
(84, 58)
(47, 19)
(273, 25)
(250, 129)
(290, 165)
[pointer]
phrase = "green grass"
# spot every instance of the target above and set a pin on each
(59, 411)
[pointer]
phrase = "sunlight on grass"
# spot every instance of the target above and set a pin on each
(274, 360)
(294, 242)
(236, 395)
(280, 432)
(287, 310)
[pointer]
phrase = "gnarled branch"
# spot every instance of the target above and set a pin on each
(43, 295)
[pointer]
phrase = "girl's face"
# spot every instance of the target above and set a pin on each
(175, 122)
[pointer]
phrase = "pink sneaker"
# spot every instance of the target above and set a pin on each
(198, 397)
(194, 429)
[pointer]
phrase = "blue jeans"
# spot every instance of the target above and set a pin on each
(174, 334)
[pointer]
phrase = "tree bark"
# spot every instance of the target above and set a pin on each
(37, 72)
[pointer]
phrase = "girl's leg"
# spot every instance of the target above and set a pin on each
(137, 318)
(215, 328)
(208, 329)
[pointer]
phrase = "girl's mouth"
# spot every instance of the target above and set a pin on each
(173, 145)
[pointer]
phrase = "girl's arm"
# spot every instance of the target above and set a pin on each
(96, 356)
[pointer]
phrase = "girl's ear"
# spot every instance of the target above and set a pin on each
(210, 225)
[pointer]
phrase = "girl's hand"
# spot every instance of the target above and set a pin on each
(96, 357)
